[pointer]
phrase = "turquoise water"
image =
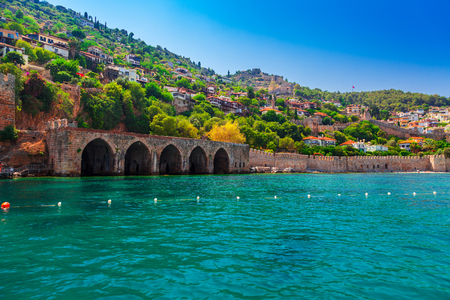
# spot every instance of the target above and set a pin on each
(326, 246)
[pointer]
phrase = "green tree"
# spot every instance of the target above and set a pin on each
(287, 143)
(78, 34)
(19, 14)
(29, 50)
(251, 92)
(9, 133)
(15, 58)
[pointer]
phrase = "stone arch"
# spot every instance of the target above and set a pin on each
(138, 159)
(170, 161)
(221, 162)
(198, 162)
(97, 158)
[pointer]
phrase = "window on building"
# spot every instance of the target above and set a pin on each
(10, 35)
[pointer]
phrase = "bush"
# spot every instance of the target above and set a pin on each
(60, 64)
(62, 76)
(37, 95)
(9, 133)
(44, 56)
(447, 152)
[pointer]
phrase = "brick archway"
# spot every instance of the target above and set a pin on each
(137, 159)
(97, 158)
(198, 161)
(221, 162)
(170, 161)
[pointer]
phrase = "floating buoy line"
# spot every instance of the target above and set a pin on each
(5, 206)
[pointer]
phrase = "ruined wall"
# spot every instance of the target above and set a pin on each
(392, 129)
(278, 160)
(66, 146)
(7, 100)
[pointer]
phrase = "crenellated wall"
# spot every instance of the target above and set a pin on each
(278, 160)
(361, 164)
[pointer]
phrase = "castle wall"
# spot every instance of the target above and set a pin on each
(7, 100)
(355, 164)
(278, 160)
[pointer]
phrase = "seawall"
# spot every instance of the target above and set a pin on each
(357, 164)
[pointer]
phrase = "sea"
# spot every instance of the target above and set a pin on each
(266, 236)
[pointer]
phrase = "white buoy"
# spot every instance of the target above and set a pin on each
(238, 197)
(339, 195)
(198, 197)
(414, 193)
(434, 193)
(389, 193)
(309, 196)
(275, 197)
(156, 200)
(109, 201)
(367, 194)
(59, 204)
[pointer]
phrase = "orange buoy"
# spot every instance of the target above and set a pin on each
(5, 205)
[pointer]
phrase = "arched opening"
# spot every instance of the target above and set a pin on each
(137, 160)
(221, 162)
(197, 162)
(97, 159)
(170, 161)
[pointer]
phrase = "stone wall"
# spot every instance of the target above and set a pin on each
(67, 146)
(357, 164)
(392, 129)
(7, 100)
(278, 160)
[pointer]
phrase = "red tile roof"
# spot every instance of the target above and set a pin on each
(348, 143)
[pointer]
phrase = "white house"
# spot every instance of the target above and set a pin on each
(5, 49)
(64, 52)
(133, 59)
(373, 148)
(84, 23)
(128, 73)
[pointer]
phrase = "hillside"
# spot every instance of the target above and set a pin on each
(70, 65)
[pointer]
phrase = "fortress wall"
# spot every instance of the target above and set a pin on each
(328, 164)
(278, 160)
(357, 164)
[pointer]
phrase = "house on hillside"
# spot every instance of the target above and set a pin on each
(353, 109)
(84, 23)
(373, 148)
(61, 51)
(113, 72)
(103, 57)
(319, 141)
(49, 40)
(133, 59)
(182, 99)
(8, 36)
(227, 105)
(5, 49)
(265, 110)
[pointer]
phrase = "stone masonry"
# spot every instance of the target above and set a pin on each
(355, 164)
(7, 100)
(109, 153)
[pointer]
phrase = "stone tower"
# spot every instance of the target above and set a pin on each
(7, 100)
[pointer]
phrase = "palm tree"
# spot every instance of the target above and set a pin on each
(429, 144)
(414, 147)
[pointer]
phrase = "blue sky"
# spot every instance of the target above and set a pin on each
(328, 44)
